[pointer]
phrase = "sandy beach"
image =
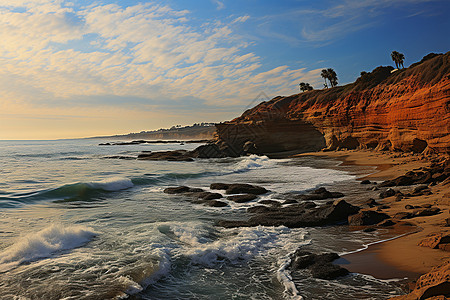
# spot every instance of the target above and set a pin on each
(400, 257)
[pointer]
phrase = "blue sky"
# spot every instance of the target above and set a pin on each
(80, 68)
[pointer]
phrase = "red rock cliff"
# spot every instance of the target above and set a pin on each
(407, 110)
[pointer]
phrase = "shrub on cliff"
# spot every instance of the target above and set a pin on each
(371, 79)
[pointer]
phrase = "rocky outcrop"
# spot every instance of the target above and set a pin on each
(239, 188)
(297, 215)
(435, 283)
(320, 265)
(367, 217)
(407, 110)
(434, 240)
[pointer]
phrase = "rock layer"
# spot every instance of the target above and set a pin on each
(407, 110)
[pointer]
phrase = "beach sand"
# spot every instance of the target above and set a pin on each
(400, 257)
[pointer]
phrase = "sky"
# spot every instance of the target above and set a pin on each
(79, 68)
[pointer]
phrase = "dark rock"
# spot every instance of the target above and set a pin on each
(424, 212)
(384, 206)
(320, 194)
(328, 271)
(239, 188)
(365, 181)
(299, 216)
(320, 265)
(369, 229)
(176, 155)
(209, 196)
(408, 206)
(270, 202)
(195, 190)
(372, 203)
(242, 198)
(258, 209)
(219, 186)
(367, 217)
(176, 190)
(387, 193)
(216, 203)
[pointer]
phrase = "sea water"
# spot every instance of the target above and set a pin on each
(83, 221)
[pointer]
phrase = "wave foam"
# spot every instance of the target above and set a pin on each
(253, 162)
(112, 184)
(44, 243)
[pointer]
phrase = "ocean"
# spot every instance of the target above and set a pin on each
(83, 221)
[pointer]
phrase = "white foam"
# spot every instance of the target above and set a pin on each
(253, 162)
(44, 243)
(112, 184)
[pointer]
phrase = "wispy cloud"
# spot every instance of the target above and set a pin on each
(335, 20)
(220, 4)
(55, 54)
(241, 19)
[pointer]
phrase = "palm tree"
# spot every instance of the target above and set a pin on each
(401, 58)
(324, 75)
(398, 58)
(332, 77)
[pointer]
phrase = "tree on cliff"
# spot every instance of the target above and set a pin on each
(332, 77)
(305, 87)
(398, 58)
(324, 75)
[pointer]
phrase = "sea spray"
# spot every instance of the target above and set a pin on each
(45, 243)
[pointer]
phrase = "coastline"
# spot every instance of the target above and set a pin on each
(400, 257)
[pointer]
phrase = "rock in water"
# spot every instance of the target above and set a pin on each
(320, 265)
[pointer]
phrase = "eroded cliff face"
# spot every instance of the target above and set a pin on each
(407, 110)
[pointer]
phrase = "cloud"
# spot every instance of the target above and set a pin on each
(54, 54)
(241, 19)
(220, 4)
(334, 19)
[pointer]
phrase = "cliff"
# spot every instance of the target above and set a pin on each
(406, 110)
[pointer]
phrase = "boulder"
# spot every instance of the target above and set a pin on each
(216, 203)
(320, 265)
(432, 285)
(320, 194)
(365, 181)
(176, 155)
(367, 217)
(242, 198)
(209, 196)
(270, 202)
(371, 203)
(177, 190)
(239, 188)
(387, 193)
(219, 186)
(424, 212)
